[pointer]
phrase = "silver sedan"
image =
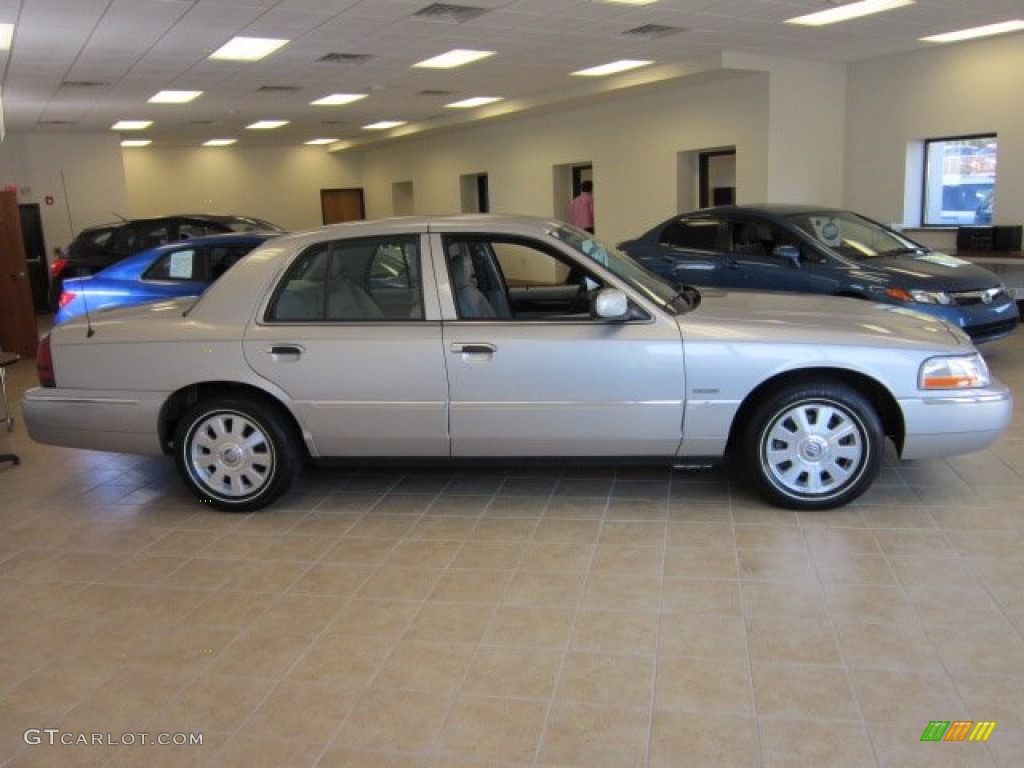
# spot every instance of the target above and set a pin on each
(496, 336)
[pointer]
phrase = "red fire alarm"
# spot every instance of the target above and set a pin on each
(48, 199)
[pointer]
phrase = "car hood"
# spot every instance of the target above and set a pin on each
(931, 270)
(811, 319)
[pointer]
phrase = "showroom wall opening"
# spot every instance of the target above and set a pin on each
(568, 181)
(474, 193)
(705, 177)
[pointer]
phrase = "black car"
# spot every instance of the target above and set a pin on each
(807, 249)
(98, 247)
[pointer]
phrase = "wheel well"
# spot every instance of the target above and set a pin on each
(880, 397)
(179, 402)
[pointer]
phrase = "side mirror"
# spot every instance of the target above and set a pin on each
(610, 304)
(788, 253)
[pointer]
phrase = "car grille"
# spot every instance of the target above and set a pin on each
(990, 331)
(986, 296)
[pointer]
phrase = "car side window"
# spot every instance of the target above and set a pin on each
(138, 237)
(223, 257)
(188, 229)
(183, 264)
(511, 278)
(749, 238)
(691, 234)
(368, 279)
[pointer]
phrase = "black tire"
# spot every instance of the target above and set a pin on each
(813, 446)
(237, 454)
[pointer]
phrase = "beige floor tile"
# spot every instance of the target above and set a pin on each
(696, 596)
(528, 588)
(531, 626)
(494, 730)
(704, 635)
(590, 736)
(431, 667)
(721, 740)
(514, 672)
(803, 641)
(704, 685)
(890, 697)
(394, 720)
(900, 645)
(787, 743)
(615, 680)
(307, 711)
(348, 660)
(804, 691)
(616, 631)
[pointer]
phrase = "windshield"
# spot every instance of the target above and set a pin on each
(620, 265)
(852, 236)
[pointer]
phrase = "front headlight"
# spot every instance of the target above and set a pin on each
(962, 372)
(919, 296)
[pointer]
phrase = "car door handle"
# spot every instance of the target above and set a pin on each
(286, 352)
(473, 348)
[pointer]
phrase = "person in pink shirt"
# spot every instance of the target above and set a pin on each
(581, 209)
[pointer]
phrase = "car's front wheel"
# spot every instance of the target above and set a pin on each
(814, 447)
(237, 454)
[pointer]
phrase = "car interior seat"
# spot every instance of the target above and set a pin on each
(470, 300)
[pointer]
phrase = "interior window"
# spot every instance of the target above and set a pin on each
(959, 180)
(176, 265)
(696, 234)
(352, 280)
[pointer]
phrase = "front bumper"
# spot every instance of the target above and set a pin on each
(960, 422)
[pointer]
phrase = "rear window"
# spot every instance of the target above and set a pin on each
(246, 224)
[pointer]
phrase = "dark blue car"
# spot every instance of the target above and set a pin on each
(184, 268)
(822, 250)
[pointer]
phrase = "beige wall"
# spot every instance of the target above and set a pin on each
(950, 90)
(279, 184)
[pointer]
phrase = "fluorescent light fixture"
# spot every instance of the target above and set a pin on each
(174, 97)
(219, 142)
(455, 58)
(136, 143)
(969, 34)
(316, 142)
(612, 68)
(338, 99)
(6, 36)
(476, 101)
(248, 48)
(383, 125)
(266, 125)
(847, 12)
(131, 125)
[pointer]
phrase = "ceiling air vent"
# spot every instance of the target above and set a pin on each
(55, 122)
(455, 14)
(346, 58)
(279, 88)
(652, 31)
(83, 84)
(431, 92)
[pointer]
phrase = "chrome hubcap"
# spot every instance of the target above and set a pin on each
(814, 449)
(230, 455)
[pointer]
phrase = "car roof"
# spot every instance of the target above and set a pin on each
(770, 209)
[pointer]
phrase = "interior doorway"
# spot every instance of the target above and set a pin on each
(35, 256)
(474, 193)
(717, 177)
(568, 182)
(402, 203)
(339, 205)
(17, 317)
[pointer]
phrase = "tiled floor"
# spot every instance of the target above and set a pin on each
(511, 616)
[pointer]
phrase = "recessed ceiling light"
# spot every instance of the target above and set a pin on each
(847, 12)
(131, 125)
(476, 101)
(316, 142)
(383, 125)
(248, 48)
(969, 34)
(174, 97)
(6, 36)
(612, 68)
(136, 143)
(452, 59)
(338, 99)
(266, 125)
(219, 142)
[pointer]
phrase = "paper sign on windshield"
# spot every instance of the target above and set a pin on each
(181, 265)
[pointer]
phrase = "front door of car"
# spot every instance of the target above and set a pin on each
(544, 378)
(756, 259)
(355, 353)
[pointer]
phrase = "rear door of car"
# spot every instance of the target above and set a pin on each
(549, 379)
(689, 251)
(352, 335)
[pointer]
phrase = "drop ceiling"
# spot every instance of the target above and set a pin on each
(81, 65)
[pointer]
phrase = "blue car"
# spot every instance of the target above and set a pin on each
(806, 249)
(184, 268)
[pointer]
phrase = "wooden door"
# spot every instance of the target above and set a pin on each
(342, 205)
(17, 316)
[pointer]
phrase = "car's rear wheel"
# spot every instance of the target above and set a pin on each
(237, 454)
(814, 447)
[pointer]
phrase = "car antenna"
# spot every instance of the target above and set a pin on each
(89, 330)
(118, 215)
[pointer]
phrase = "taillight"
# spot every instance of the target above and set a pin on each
(44, 363)
(66, 297)
(58, 267)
